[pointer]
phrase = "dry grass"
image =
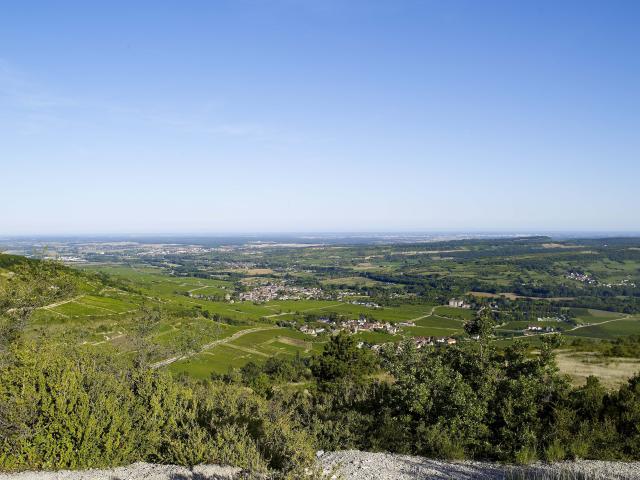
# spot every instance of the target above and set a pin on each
(253, 271)
(510, 296)
(354, 281)
(513, 296)
(558, 245)
(612, 372)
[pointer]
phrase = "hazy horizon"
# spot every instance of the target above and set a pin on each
(282, 116)
(264, 235)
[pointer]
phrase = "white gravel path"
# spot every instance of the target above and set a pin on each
(146, 471)
(355, 465)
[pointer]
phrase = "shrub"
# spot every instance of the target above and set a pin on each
(554, 452)
(67, 408)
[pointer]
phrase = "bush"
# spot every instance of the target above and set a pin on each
(67, 408)
(554, 452)
(526, 455)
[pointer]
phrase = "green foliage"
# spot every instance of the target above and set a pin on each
(623, 347)
(32, 285)
(342, 359)
(481, 325)
(64, 406)
(68, 408)
(457, 402)
(72, 408)
(626, 410)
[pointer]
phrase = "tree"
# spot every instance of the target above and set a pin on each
(34, 284)
(147, 320)
(481, 327)
(341, 359)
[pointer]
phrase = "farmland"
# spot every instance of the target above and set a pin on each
(191, 296)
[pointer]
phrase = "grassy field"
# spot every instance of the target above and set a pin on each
(453, 312)
(609, 329)
(612, 372)
(428, 331)
(589, 315)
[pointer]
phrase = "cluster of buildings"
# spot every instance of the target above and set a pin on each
(161, 250)
(458, 303)
(364, 325)
(365, 304)
(264, 293)
(354, 326)
(622, 283)
(539, 329)
(581, 277)
(589, 280)
(68, 259)
(345, 294)
(402, 295)
(421, 342)
(561, 318)
(312, 331)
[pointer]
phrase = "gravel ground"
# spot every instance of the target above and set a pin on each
(146, 471)
(355, 465)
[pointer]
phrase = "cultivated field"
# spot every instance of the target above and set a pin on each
(200, 320)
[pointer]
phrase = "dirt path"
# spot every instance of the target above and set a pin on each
(197, 288)
(61, 302)
(430, 314)
(433, 314)
(273, 315)
(169, 361)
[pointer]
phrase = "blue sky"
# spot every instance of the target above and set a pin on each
(293, 115)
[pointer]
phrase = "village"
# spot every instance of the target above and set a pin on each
(362, 324)
(582, 277)
(531, 329)
(280, 291)
(589, 280)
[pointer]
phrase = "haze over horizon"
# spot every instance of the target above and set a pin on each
(285, 116)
